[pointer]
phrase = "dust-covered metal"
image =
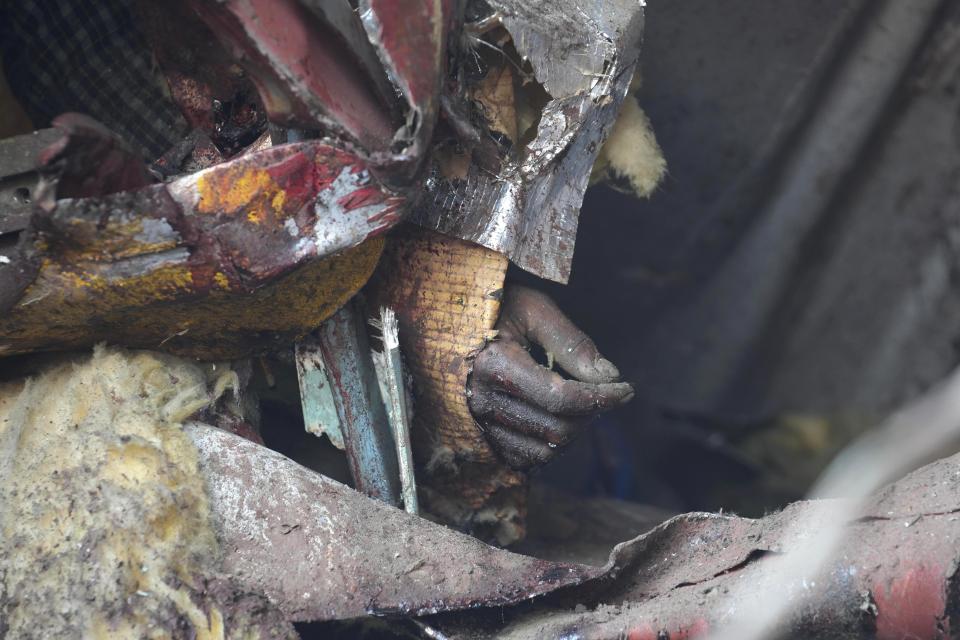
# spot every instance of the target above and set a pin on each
(895, 577)
(189, 265)
(582, 55)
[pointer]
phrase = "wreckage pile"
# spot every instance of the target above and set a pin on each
(237, 345)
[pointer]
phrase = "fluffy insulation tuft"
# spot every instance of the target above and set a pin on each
(104, 518)
(631, 156)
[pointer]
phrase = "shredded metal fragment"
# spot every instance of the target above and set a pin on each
(389, 366)
(583, 54)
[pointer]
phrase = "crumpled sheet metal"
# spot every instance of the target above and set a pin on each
(895, 577)
(330, 66)
(319, 550)
(410, 36)
(250, 252)
(304, 541)
(584, 54)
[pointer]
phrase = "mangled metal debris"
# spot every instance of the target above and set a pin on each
(357, 397)
(125, 511)
(222, 236)
(195, 264)
(227, 535)
(564, 68)
(318, 67)
(342, 344)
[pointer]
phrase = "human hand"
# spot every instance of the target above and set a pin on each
(526, 410)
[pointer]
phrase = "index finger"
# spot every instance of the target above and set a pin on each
(509, 368)
(539, 319)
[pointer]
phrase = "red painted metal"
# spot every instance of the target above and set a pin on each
(305, 75)
(309, 77)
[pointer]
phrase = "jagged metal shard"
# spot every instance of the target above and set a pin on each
(366, 72)
(583, 54)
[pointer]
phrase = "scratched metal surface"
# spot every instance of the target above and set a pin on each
(329, 203)
(584, 55)
(894, 578)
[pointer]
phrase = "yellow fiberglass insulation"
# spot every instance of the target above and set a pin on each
(631, 156)
(104, 519)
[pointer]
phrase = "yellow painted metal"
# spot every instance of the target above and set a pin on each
(83, 298)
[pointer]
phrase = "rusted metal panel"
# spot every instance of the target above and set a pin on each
(172, 264)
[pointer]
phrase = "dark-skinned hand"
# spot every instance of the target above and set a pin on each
(527, 411)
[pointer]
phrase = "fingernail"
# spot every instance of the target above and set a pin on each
(606, 368)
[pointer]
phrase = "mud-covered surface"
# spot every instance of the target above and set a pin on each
(321, 551)
(894, 577)
(197, 530)
(566, 528)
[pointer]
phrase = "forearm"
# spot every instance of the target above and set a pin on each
(446, 294)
